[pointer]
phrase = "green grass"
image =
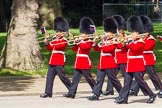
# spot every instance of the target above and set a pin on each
(2, 40)
(158, 48)
(70, 56)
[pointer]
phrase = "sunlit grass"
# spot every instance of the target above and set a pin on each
(2, 40)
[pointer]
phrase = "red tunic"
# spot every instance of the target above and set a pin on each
(135, 61)
(121, 53)
(107, 59)
(82, 60)
(149, 56)
(58, 47)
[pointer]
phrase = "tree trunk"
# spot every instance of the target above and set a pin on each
(48, 10)
(22, 50)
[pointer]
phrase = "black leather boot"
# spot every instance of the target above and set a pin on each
(108, 93)
(69, 95)
(151, 99)
(120, 100)
(133, 93)
(160, 94)
(94, 97)
(45, 95)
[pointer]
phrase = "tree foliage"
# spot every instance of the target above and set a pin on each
(74, 10)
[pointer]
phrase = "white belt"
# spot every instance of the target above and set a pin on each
(135, 56)
(85, 55)
(82, 55)
(106, 54)
(147, 51)
(60, 52)
(118, 50)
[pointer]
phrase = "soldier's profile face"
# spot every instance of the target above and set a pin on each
(109, 34)
(134, 35)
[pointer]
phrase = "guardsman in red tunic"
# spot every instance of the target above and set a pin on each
(107, 64)
(57, 59)
(149, 57)
(120, 52)
(83, 63)
(135, 62)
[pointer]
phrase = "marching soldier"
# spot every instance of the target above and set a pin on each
(135, 62)
(149, 57)
(120, 52)
(83, 63)
(57, 59)
(107, 64)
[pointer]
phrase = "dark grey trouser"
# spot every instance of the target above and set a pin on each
(121, 67)
(100, 79)
(127, 84)
(150, 70)
(52, 72)
(76, 79)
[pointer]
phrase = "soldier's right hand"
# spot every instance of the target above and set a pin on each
(46, 41)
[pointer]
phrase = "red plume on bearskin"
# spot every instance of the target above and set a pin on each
(61, 24)
(134, 24)
(160, 38)
(86, 25)
(121, 22)
(147, 23)
(110, 25)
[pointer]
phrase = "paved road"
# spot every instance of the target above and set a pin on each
(24, 93)
(79, 102)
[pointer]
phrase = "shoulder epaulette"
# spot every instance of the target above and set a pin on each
(151, 37)
(141, 40)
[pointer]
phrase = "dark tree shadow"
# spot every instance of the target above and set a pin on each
(15, 83)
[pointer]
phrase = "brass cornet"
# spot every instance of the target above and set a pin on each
(131, 37)
(74, 40)
(141, 36)
(51, 36)
(105, 38)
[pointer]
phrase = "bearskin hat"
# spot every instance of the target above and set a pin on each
(86, 25)
(147, 23)
(61, 24)
(121, 22)
(134, 24)
(110, 25)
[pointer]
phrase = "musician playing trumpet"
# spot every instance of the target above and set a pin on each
(107, 63)
(120, 52)
(57, 59)
(135, 62)
(83, 63)
(149, 57)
